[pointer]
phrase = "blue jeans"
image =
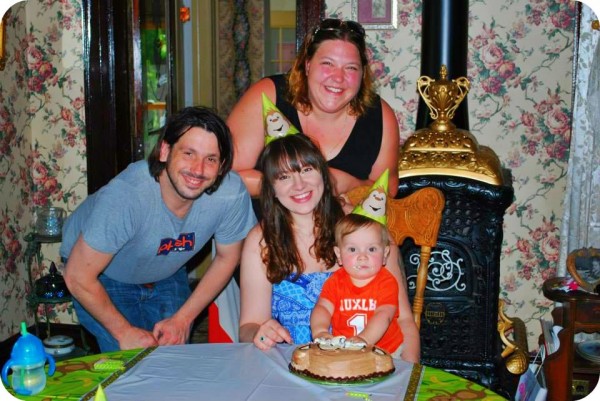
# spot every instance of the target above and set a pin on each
(142, 307)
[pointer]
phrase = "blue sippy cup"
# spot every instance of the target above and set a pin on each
(27, 361)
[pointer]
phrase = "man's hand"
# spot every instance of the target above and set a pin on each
(172, 331)
(134, 337)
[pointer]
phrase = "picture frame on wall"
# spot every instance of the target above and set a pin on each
(584, 266)
(376, 14)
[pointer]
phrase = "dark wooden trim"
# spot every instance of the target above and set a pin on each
(99, 90)
(133, 79)
(107, 107)
(125, 93)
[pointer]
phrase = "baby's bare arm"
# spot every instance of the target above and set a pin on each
(378, 324)
(320, 319)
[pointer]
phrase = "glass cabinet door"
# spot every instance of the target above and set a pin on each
(155, 69)
(127, 100)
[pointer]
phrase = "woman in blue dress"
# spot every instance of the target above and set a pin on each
(289, 254)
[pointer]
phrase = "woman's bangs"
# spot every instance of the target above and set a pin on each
(293, 160)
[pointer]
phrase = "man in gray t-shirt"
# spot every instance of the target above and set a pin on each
(127, 244)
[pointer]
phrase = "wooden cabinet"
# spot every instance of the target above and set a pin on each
(568, 375)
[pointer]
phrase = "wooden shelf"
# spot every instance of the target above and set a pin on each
(566, 371)
(583, 366)
(155, 106)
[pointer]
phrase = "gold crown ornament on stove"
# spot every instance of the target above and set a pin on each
(442, 148)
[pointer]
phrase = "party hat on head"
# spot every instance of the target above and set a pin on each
(276, 124)
(100, 396)
(374, 205)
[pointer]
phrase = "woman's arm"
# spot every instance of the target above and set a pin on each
(256, 323)
(412, 341)
(390, 148)
(247, 129)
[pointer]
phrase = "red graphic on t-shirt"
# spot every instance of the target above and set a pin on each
(185, 243)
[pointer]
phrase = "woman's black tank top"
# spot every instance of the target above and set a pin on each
(361, 149)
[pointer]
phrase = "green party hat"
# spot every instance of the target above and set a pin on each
(100, 396)
(374, 205)
(276, 124)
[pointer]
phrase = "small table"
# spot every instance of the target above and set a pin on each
(565, 370)
(33, 250)
(237, 372)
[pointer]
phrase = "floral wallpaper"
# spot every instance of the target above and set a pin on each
(520, 68)
(42, 142)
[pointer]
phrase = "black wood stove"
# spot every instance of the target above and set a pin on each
(460, 314)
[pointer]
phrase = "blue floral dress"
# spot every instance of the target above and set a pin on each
(293, 302)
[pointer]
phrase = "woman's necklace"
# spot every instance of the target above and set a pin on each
(331, 151)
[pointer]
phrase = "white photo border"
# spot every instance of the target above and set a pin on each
(392, 24)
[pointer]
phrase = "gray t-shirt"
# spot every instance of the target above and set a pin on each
(128, 219)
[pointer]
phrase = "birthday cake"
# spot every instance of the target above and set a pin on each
(335, 361)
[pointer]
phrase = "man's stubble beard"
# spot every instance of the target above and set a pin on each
(177, 188)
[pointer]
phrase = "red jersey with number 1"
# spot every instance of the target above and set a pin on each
(353, 306)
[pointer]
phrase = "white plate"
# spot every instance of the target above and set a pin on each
(58, 345)
(589, 350)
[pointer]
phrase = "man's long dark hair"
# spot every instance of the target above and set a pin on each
(180, 123)
(279, 251)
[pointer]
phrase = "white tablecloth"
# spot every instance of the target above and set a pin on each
(236, 372)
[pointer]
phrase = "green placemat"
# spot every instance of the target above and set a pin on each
(437, 384)
(76, 378)
(118, 372)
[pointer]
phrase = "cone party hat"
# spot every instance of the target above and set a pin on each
(374, 205)
(100, 396)
(276, 124)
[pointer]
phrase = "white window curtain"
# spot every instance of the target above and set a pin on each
(581, 219)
